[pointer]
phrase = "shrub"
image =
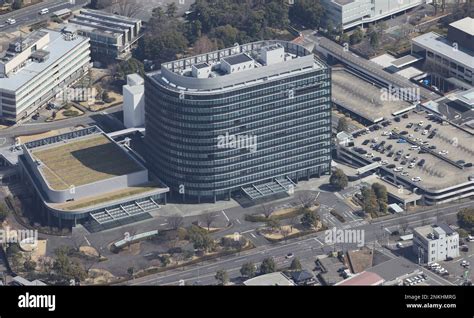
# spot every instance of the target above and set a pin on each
(70, 113)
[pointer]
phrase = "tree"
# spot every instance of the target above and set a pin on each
(165, 260)
(309, 219)
(222, 277)
(308, 12)
(285, 232)
(374, 39)
(466, 219)
(29, 265)
(342, 124)
(338, 179)
(3, 212)
(307, 199)
(248, 270)
(200, 238)
(127, 8)
(345, 38)
(296, 265)
(204, 45)
(175, 221)
(17, 4)
(268, 266)
(163, 39)
(404, 225)
(171, 9)
(67, 269)
(273, 224)
(356, 36)
(266, 210)
(208, 219)
(380, 192)
(369, 201)
(131, 271)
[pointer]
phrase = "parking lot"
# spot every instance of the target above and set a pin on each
(456, 270)
(361, 97)
(419, 149)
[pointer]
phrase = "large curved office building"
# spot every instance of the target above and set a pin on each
(253, 118)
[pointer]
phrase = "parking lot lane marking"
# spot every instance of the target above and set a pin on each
(238, 221)
(225, 215)
(316, 239)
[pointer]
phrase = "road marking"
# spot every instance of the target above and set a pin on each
(87, 241)
(247, 231)
(238, 221)
(163, 224)
(253, 235)
(225, 215)
(316, 239)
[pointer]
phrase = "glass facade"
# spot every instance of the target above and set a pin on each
(207, 145)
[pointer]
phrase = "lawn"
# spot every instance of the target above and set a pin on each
(83, 161)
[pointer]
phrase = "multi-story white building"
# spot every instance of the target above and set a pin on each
(433, 243)
(351, 13)
(36, 68)
(453, 55)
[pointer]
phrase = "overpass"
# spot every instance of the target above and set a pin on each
(372, 71)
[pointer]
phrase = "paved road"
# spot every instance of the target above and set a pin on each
(306, 249)
(104, 119)
(30, 14)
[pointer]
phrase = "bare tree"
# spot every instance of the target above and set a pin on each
(208, 219)
(404, 225)
(175, 221)
(285, 232)
(128, 8)
(293, 221)
(266, 210)
(307, 199)
(204, 45)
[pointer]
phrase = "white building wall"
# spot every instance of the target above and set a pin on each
(134, 103)
(358, 12)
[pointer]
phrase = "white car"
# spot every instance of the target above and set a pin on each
(404, 173)
(44, 11)
(384, 162)
(399, 245)
(416, 179)
(443, 152)
(407, 156)
(11, 21)
(420, 123)
(425, 132)
(369, 155)
(411, 165)
(398, 169)
(289, 255)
